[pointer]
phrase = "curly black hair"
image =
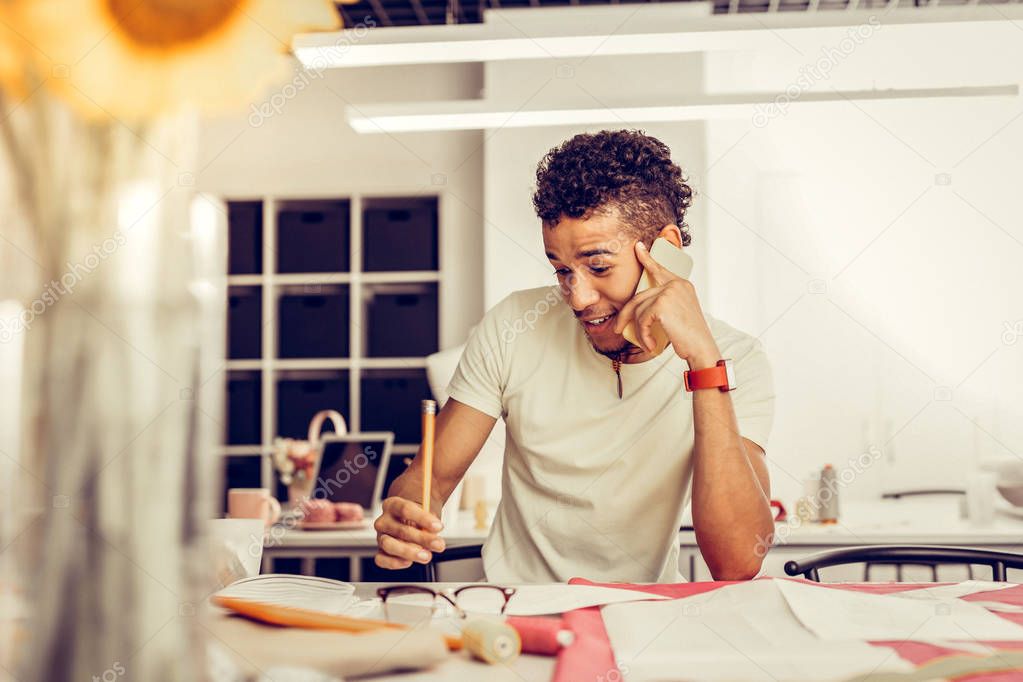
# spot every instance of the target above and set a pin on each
(625, 170)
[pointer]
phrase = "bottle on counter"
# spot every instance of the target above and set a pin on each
(806, 506)
(827, 495)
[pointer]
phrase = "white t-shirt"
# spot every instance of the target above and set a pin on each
(594, 486)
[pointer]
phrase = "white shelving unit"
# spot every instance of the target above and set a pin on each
(361, 287)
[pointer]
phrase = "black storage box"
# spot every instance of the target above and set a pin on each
(391, 402)
(244, 237)
(244, 418)
(244, 322)
(313, 237)
(402, 324)
(301, 395)
(314, 325)
(400, 237)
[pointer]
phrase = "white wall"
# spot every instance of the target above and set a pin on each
(875, 250)
(514, 253)
(308, 149)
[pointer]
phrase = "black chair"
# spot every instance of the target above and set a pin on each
(457, 553)
(905, 554)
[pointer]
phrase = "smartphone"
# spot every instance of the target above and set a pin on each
(674, 259)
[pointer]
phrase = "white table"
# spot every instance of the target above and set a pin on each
(354, 545)
(921, 521)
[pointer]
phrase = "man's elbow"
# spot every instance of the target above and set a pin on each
(740, 564)
(738, 556)
(737, 569)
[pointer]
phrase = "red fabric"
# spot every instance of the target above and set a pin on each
(539, 634)
(590, 659)
(589, 656)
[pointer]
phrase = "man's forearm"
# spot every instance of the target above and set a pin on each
(409, 485)
(731, 511)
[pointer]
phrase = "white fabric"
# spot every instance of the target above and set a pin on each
(593, 485)
(841, 614)
(739, 633)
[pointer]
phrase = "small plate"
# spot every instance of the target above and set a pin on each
(334, 525)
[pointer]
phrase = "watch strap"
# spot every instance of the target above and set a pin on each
(709, 377)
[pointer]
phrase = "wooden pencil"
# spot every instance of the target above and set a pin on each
(429, 408)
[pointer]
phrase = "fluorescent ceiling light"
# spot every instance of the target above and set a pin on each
(506, 49)
(658, 28)
(480, 114)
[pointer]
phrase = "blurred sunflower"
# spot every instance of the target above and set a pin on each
(10, 59)
(135, 58)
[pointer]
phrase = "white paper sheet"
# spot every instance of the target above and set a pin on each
(963, 589)
(834, 614)
(538, 600)
(953, 591)
(744, 632)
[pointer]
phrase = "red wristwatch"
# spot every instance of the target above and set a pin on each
(721, 376)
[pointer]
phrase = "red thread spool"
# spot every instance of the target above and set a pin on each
(544, 636)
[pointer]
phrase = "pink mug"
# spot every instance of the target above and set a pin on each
(253, 503)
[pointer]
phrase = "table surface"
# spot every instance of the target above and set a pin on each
(931, 520)
(460, 666)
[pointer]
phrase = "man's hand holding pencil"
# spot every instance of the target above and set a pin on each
(407, 532)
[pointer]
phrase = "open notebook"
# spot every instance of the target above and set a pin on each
(313, 603)
(297, 591)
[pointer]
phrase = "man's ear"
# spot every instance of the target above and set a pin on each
(672, 234)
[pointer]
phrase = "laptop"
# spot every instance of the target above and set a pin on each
(353, 468)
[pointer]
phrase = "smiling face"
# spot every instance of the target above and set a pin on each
(595, 262)
(620, 185)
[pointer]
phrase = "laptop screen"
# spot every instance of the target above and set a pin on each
(353, 468)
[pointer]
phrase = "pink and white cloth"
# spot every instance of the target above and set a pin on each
(590, 657)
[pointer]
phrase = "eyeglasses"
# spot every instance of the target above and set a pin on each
(482, 598)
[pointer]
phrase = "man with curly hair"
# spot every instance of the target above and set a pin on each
(607, 440)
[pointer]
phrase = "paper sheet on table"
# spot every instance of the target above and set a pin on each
(964, 589)
(952, 591)
(841, 614)
(744, 632)
(538, 600)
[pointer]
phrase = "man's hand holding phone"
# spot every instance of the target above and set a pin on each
(406, 534)
(671, 302)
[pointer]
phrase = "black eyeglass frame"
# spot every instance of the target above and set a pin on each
(449, 595)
